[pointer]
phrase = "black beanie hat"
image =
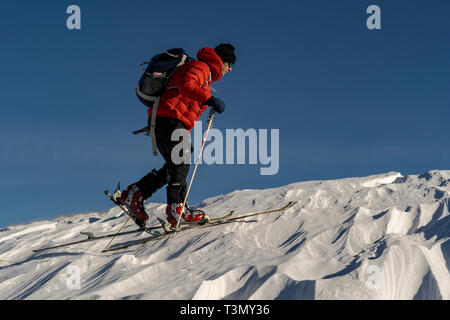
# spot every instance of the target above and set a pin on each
(226, 52)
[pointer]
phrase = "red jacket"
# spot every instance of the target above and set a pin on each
(193, 88)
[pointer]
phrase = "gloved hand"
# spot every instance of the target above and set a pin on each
(216, 103)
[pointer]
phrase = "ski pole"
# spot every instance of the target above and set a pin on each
(210, 120)
(126, 222)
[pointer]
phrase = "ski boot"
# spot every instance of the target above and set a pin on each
(133, 200)
(189, 216)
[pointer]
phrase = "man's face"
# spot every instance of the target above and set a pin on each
(226, 68)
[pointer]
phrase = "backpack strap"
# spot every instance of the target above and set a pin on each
(150, 130)
(152, 126)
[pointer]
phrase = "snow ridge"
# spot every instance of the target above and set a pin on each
(379, 237)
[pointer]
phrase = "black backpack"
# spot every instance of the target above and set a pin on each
(154, 80)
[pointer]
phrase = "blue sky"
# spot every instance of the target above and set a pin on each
(348, 101)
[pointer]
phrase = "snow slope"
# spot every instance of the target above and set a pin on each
(379, 237)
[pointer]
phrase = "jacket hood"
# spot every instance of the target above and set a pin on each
(209, 56)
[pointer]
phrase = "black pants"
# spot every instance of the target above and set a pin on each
(172, 174)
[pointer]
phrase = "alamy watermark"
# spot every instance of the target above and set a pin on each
(73, 22)
(374, 20)
(373, 282)
(73, 279)
(236, 146)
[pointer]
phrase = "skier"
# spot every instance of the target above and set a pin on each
(180, 108)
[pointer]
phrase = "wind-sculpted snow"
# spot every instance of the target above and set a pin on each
(379, 237)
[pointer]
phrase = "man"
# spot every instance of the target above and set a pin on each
(180, 108)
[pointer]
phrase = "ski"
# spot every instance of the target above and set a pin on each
(91, 237)
(218, 221)
(290, 204)
(116, 194)
(225, 217)
(183, 227)
(156, 235)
